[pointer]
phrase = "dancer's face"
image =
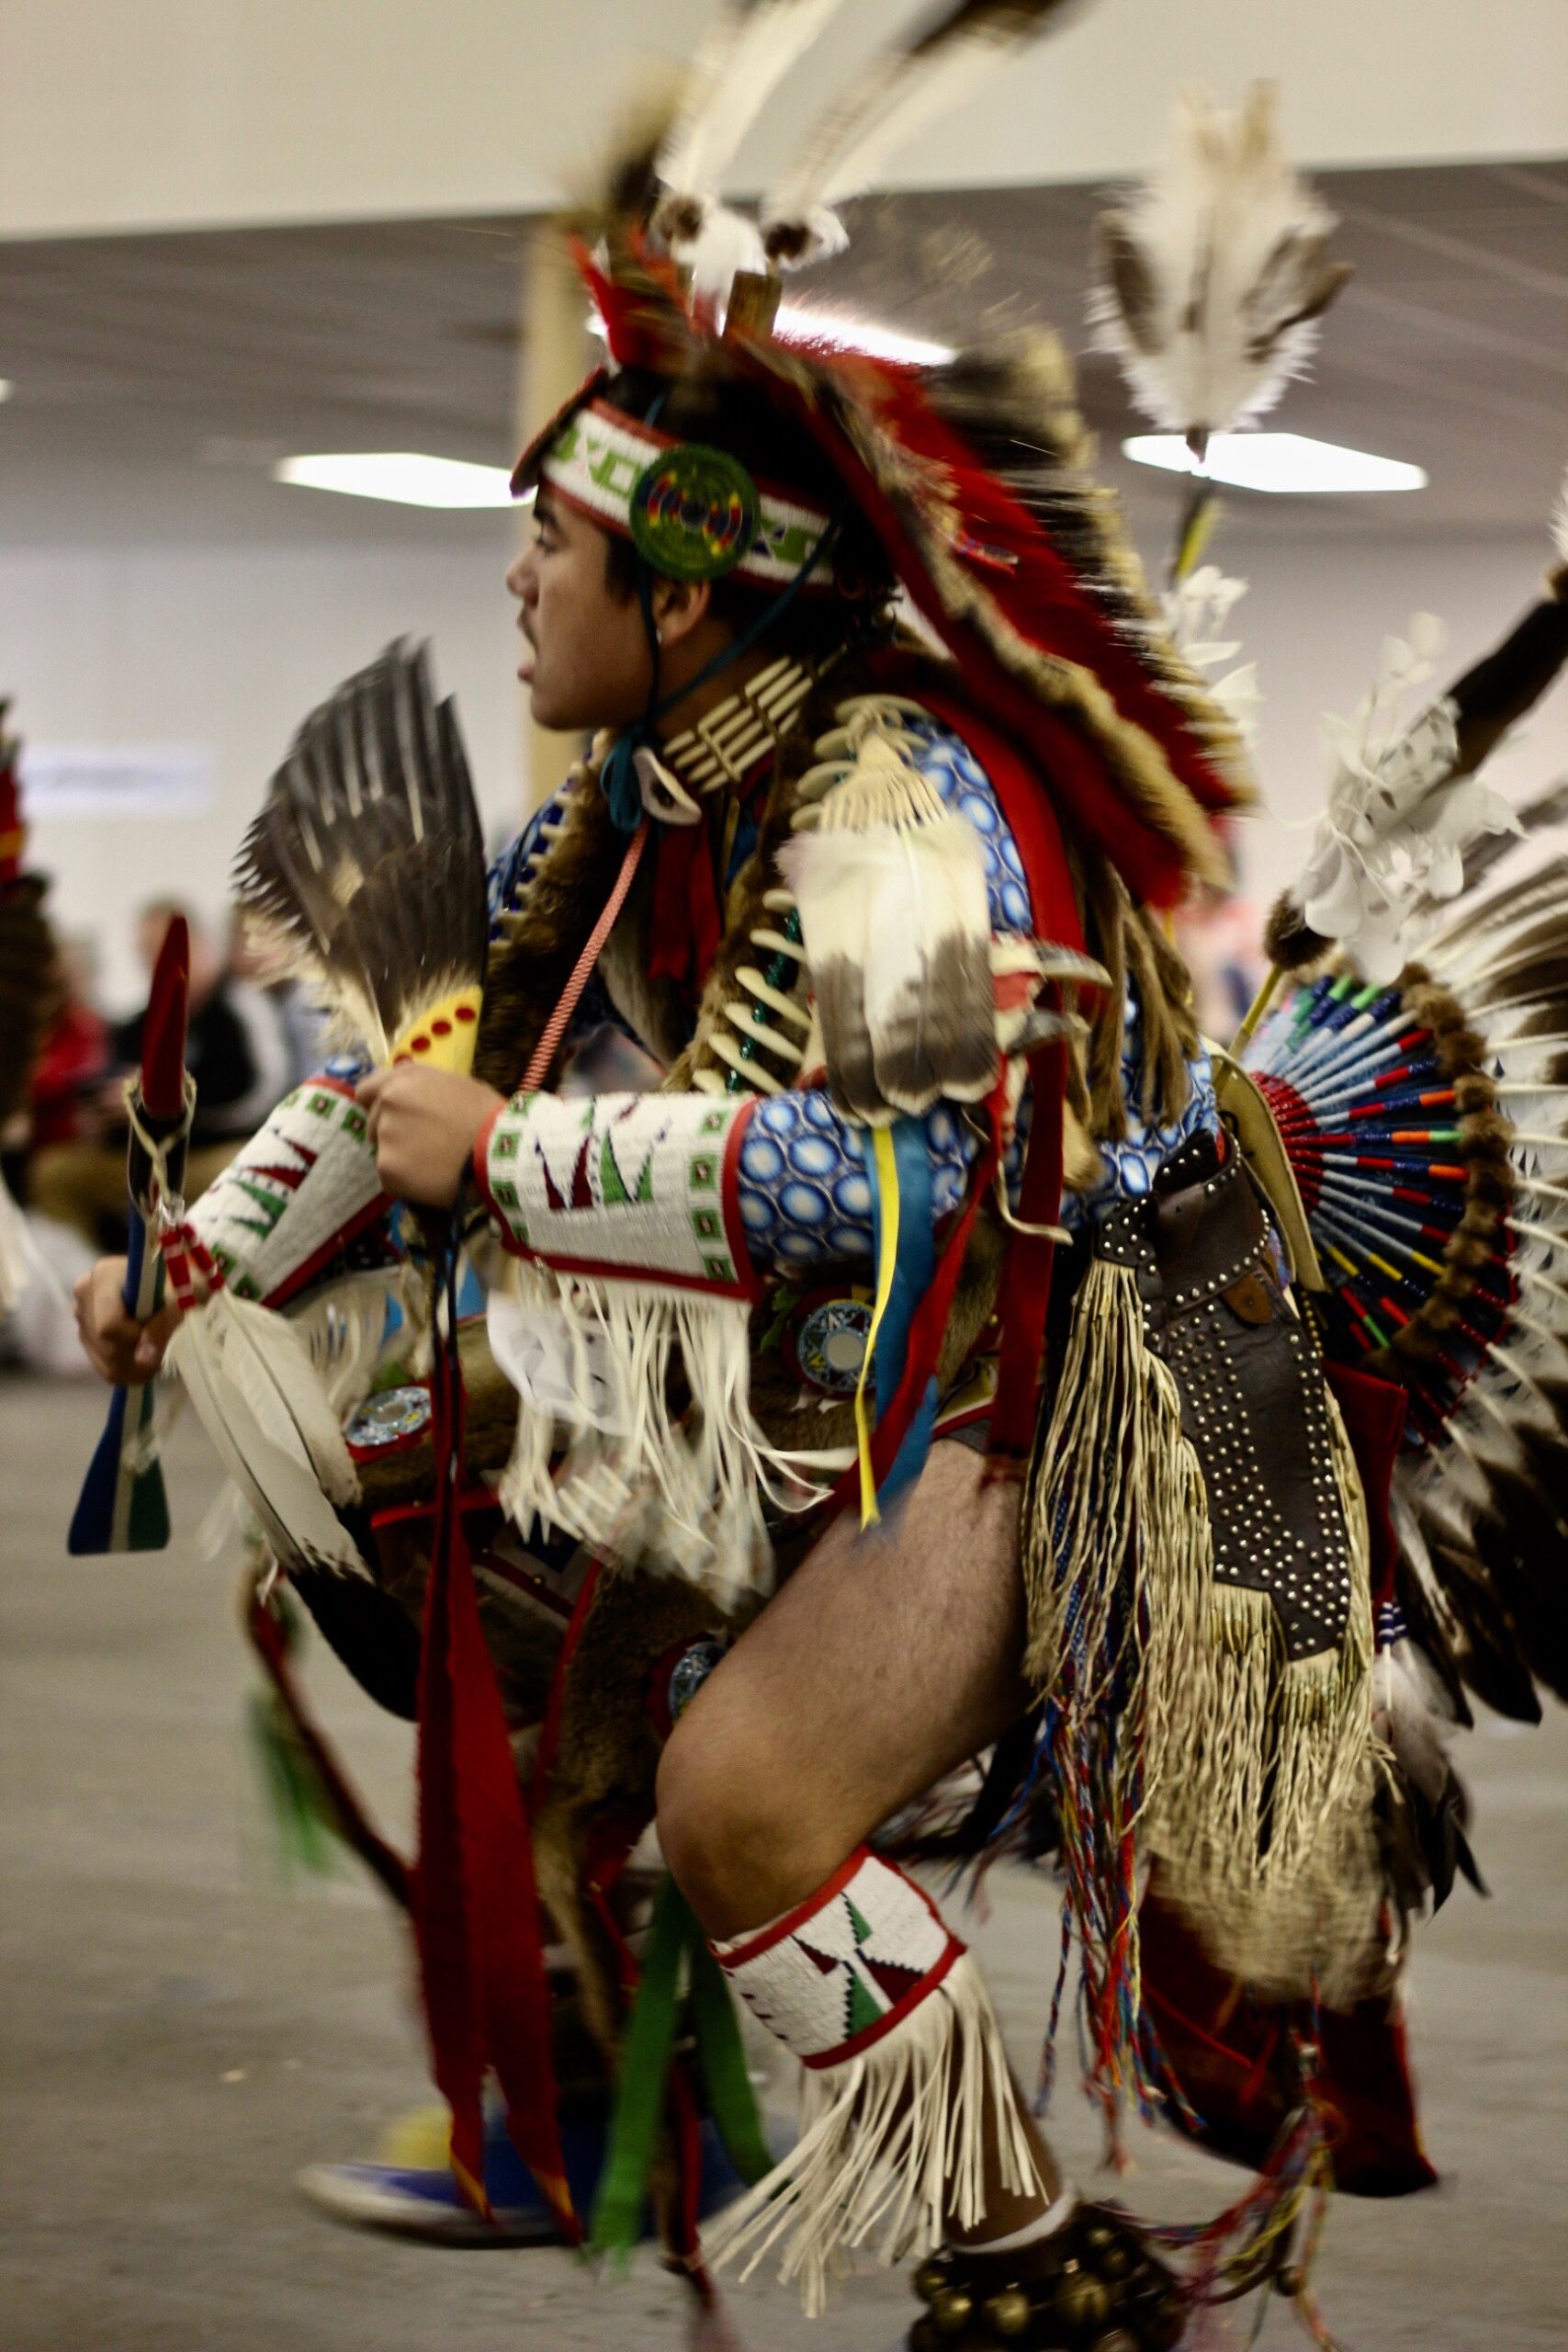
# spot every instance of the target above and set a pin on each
(587, 660)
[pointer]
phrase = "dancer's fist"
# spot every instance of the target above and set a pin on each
(424, 1126)
(119, 1348)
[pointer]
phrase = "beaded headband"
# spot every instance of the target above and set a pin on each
(694, 512)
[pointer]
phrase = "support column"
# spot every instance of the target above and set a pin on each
(553, 358)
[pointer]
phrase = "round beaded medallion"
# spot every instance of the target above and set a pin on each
(386, 1419)
(828, 1343)
(694, 512)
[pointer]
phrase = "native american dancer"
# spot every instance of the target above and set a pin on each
(932, 1361)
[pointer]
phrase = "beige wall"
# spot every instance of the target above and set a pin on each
(188, 112)
(229, 648)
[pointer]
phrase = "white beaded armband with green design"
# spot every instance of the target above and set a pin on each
(294, 1197)
(641, 1187)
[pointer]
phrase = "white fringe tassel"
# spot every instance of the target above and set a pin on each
(892, 2147)
(669, 1468)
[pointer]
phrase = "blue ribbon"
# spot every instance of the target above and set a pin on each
(914, 1269)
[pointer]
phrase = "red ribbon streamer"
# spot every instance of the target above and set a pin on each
(475, 1906)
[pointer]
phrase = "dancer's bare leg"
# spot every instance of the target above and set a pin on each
(886, 1659)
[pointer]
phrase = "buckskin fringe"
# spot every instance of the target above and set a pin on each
(892, 2146)
(1175, 1728)
(676, 1486)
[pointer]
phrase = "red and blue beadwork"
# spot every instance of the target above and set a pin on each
(695, 513)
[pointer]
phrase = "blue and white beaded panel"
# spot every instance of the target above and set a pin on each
(948, 763)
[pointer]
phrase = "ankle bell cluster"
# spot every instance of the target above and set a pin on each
(1095, 2285)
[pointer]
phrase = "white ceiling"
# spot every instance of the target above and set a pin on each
(156, 377)
(214, 113)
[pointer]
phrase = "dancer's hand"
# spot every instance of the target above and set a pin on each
(119, 1348)
(424, 1126)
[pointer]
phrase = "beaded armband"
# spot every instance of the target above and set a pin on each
(639, 1187)
(301, 1190)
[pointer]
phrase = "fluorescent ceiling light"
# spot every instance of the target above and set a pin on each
(4, 388)
(797, 323)
(402, 476)
(1287, 461)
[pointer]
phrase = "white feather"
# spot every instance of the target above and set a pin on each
(253, 1385)
(725, 243)
(883, 112)
(930, 898)
(1222, 249)
(1398, 817)
(894, 907)
(745, 54)
(1410, 1716)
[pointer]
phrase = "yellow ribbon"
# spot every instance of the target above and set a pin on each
(885, 1174)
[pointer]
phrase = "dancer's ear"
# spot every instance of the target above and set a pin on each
(680, 607)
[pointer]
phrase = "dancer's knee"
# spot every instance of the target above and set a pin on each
(730, 1835)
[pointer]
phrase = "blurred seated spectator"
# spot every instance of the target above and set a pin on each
(256, 959)
(235, 1051)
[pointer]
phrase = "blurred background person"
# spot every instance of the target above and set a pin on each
(237, 1052)
(257, 962)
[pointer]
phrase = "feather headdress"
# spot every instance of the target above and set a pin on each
(367, 860)
(896, 98)
(749, 49)
(1209, 281)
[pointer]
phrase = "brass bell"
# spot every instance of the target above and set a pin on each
(1097, 2236)
(930, 2280)
(1117, 2341)
(923, 2336)
(1009, 2314)
(951, 2310)
(1113, 2260)
(1080, 2301)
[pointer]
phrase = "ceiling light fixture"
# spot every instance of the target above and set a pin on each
(4, 388)
(798, 322)
(1276, 461)
(401, 476)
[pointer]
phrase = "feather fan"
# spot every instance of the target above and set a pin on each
(1209, 281)
(895, 100)
(367, 860)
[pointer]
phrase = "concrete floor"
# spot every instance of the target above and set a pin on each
(181, 2033)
